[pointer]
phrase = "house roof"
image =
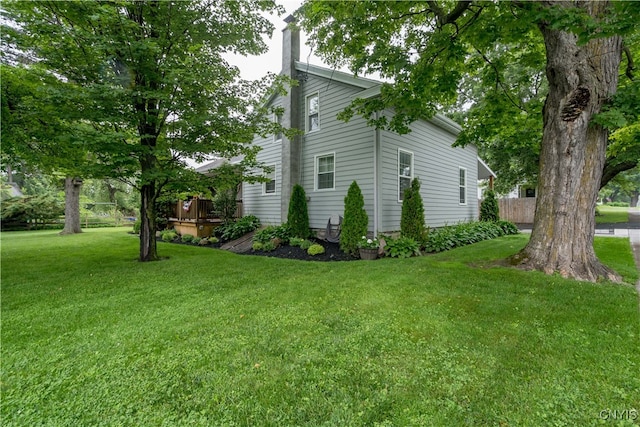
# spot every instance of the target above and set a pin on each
(336, 75)
(219, 162)
(484, 171)
(371, 88)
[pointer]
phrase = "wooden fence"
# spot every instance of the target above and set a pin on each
(520, 211)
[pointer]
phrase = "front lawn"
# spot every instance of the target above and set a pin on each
(92, 337)
(612, 215)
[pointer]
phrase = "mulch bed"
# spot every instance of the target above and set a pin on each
(332, 252)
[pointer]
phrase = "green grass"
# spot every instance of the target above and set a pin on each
(612, 215)
(205, 337)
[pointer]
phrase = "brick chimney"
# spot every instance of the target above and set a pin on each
(290, 173)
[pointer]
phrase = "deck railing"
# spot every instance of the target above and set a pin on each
(199, 209)
(194, 209)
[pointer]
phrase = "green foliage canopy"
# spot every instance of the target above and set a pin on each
(150, 79)
(481, 62)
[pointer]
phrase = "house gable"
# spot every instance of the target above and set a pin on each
(330, 154)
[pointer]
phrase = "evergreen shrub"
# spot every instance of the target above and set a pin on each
(298, 216)
(489, 210)
(412, 218)
(355, 222)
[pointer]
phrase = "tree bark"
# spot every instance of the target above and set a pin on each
(72, 188)
(581, 79)
(148, 245)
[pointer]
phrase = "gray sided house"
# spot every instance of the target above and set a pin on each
(330, 154)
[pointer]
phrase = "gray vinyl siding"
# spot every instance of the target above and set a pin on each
(265, 206)
(352, 144)
(437, 165)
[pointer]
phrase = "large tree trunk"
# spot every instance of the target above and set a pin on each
(581, 78)
(148, 249)
(148, 195)
(72, 188)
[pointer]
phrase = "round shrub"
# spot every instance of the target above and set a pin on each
(196, 240)
(355, 222)
(186, 238)
(402, 247)
(315, 249)
(257, 246)
(169, 236)
(213, 239)
(306, 244)
(295, 241)
(269, 246)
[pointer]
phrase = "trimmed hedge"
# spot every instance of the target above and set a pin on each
(452, 236)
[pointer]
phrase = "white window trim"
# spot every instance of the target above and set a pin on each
(275, 181)
(466, 195)
(400, 150)
(306, 112)
(315, 172)
(275, 135)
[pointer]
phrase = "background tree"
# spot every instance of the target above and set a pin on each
(625, 188)
(17, 212)
(428, 47)
(298, 215)
(36, 135)
(154, 70)
(500, 104)
(356, 221)
(412, 216)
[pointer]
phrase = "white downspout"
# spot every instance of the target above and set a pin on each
(376, 141)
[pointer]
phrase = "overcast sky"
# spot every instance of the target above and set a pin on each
(255, 67)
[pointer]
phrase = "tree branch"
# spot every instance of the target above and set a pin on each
(500, 83)
(612, 169)
(451, 17)
(630, 65)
